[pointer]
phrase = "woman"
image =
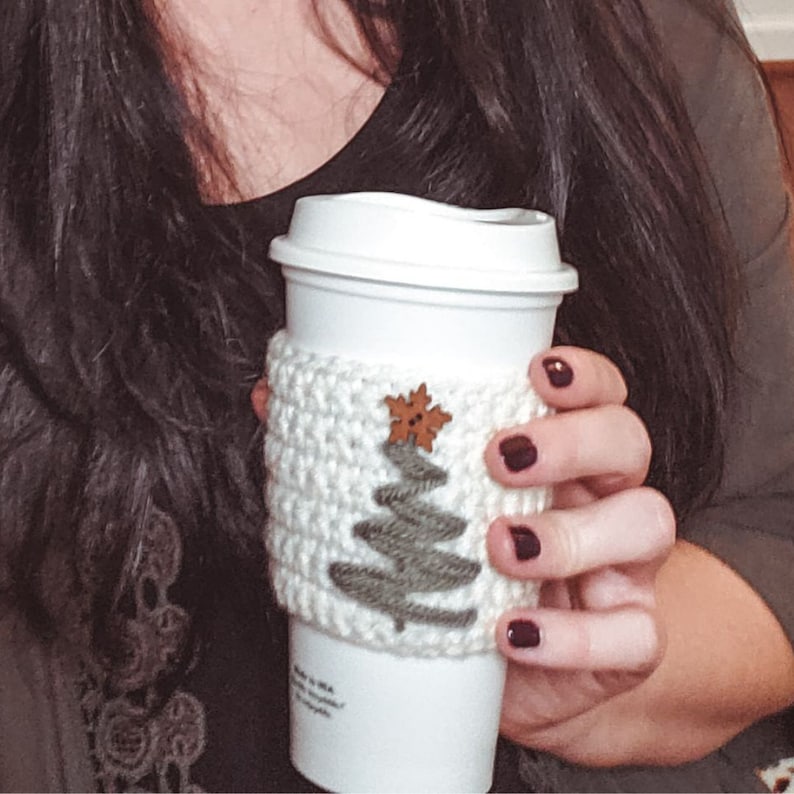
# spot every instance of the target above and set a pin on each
(150, 151)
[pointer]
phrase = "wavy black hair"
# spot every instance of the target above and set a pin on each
(132, 328)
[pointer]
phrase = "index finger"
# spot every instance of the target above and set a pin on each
(567, 378)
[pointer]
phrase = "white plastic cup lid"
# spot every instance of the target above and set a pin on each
(395, 238)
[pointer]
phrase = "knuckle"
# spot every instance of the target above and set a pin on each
(660, 516)
(564, 548)
(638, 440)
(628, 434)
(612, 380)
(581, 644)
(647, 641)
(567, 551)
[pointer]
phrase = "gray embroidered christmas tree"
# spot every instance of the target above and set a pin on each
(408, 534)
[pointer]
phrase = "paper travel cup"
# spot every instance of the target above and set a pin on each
(410, 325)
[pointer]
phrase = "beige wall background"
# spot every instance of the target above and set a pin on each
(770, 27)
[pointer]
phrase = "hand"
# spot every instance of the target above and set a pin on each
(596, 632)
(591, 691)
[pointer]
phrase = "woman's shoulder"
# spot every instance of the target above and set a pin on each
(43, 743)
(725, 97)
(704, 42)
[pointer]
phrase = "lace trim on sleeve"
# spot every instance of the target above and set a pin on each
(136, 744)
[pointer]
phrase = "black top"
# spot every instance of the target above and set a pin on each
(246, 712)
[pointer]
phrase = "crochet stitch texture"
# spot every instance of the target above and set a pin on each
(327, 424)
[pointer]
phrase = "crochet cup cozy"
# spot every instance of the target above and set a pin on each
(379, 500)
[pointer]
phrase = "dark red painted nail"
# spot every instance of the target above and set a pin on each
(558, 372)
(526, 542)
(523, 634)
(518, 453)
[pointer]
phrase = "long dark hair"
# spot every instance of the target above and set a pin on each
(132, 328)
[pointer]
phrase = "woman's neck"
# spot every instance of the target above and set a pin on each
(282, 89)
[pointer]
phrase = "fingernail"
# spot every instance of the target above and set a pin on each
(526, 542)
(558, 372)
(518, 453)
(523, 634)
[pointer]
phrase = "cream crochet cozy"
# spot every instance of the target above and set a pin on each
(384, 544)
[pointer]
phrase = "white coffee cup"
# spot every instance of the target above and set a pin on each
(388, 279)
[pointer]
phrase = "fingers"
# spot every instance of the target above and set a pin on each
(593, 446)
(597, 609)
(597, 558)
(571, 377)
(623, 639)
(259, 397)
(607, 445)
(628, 528)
